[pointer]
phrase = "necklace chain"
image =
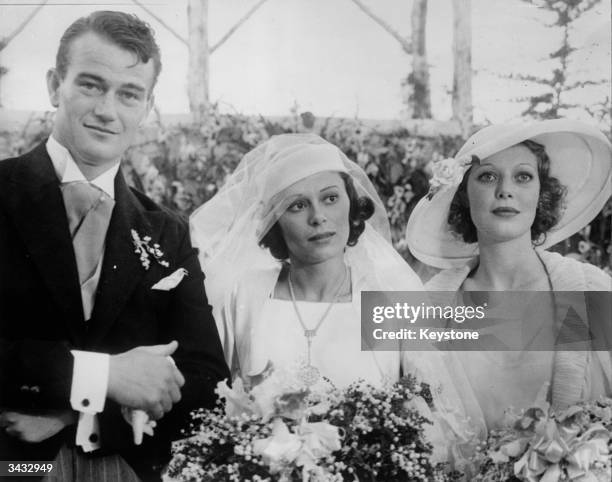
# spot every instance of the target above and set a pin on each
(311, 373)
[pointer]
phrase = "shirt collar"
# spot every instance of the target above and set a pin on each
(68, 171)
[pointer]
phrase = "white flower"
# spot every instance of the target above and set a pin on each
(237, 400)
(447, 172)
(282, 448)
(584, 247)
(320, 438)
(144, 250)
(270, 395)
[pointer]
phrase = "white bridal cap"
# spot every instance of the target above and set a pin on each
(227, 229)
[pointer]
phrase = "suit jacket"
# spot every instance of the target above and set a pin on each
(41, 315)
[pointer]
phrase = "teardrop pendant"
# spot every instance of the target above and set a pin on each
(309, 375)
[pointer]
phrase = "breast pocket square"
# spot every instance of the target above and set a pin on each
(170, 282)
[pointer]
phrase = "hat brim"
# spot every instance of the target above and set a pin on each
(581, 158)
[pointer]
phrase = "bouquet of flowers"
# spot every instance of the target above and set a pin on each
(282, 430)
(538, 444)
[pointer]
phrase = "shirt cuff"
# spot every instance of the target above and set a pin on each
(89, 381)
(88, 432)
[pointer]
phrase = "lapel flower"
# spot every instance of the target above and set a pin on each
(146, 251)
(447, 173)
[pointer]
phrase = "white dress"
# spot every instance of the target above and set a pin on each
(503, 380)
(497, 380)
(336, 349)
(257, 330)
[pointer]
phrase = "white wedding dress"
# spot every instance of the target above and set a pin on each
(336, 348)
(257, 330)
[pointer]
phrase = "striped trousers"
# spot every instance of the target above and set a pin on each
(73, 466)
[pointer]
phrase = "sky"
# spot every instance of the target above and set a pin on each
(326, 56)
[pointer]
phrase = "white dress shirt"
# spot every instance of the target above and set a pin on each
(88, 393)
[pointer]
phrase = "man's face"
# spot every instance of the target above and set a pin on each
(103, 97)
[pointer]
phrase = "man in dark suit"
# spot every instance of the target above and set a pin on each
(103, 315)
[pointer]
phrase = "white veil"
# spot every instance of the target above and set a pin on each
(228, 228)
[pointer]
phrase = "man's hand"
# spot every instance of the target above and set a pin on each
(36, 428)
(145, 378)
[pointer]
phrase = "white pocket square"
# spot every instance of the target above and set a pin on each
(171, 281)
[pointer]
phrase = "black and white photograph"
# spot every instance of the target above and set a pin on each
(306, 240)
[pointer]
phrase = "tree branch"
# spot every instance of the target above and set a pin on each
(236, 26)
(528, 78)
(7, 40)
(405, 43)
(164, 24)
(585, 83)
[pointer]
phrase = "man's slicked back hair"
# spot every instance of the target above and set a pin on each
(123, 29)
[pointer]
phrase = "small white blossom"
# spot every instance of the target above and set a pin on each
(447, 173)
(145, 251)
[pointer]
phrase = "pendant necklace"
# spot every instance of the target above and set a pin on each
(310, 374)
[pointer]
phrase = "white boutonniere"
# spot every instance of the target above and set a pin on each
(447, 173)
(144, 249)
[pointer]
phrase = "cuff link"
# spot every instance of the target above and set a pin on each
(31, 389)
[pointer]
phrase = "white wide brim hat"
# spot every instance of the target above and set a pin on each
(580, 158)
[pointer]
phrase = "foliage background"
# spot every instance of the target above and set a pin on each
(183, 165)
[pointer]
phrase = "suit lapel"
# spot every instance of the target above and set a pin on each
(39, 215)
(122, 269)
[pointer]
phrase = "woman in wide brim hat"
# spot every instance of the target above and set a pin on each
(510, 192)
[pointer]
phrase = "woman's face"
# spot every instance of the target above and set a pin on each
(315, 224)
(503, 192)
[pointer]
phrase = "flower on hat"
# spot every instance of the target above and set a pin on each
(447, 173)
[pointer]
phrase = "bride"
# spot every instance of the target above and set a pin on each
(288, 244)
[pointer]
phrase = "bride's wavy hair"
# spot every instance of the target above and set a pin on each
(548, 212)
(360, 210)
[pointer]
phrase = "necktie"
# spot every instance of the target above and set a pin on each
(89, 211)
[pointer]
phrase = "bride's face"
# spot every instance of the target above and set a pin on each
(315, 225)
(503, 193)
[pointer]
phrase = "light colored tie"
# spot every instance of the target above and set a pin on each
(89, 211)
